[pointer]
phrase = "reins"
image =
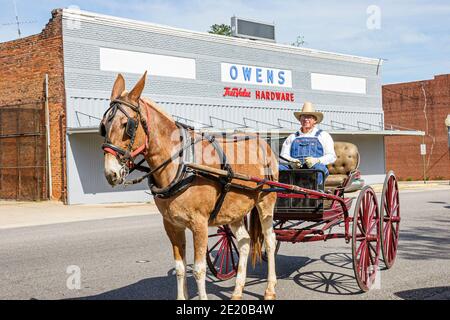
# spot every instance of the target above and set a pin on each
(185, 174)
(126, 157)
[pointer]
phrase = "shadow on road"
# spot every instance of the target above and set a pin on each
(433, 293)
(447, 205)
(285, 266)
(340, 260)
(328, 282)
(425, 243)
(165, 288)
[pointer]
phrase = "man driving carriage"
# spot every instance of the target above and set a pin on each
(309, 147)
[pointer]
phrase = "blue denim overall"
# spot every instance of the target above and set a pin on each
(304, 147)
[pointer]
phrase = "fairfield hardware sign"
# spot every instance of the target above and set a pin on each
(259, 94)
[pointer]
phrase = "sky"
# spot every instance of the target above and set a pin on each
(413, 36)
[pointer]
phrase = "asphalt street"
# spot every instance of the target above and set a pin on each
(131, 258)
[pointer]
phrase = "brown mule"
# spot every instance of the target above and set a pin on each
(157, 137)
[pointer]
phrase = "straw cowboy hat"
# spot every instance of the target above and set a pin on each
(308, 109)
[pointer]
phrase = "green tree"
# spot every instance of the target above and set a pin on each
(222, 29)
(299, 42)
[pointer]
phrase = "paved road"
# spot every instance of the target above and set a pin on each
(130, 258)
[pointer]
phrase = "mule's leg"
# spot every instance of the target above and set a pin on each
(177, 237)
(265, 210)
(243, 240)
(200, 235)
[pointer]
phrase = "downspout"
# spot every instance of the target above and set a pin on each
(427, 130)
(47, 132)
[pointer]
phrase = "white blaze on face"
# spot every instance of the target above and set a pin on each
(112, 170)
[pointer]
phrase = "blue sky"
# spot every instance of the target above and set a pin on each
(414, 36)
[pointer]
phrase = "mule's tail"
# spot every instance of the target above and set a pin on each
(256, 236)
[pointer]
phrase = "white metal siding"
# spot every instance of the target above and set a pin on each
(86, 181)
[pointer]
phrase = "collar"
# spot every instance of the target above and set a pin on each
(313, 131)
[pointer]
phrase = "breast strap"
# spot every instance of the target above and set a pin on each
(184, 177)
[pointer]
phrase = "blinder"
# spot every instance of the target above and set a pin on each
(131, 127)
(102, 130)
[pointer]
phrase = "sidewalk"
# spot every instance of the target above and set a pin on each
(22, 214)
(418, 185)
(15, 214)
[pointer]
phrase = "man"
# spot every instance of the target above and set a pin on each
(309, 147)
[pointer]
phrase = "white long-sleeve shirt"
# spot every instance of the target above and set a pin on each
(329, 156)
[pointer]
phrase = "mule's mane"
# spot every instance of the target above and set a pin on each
(157, 108)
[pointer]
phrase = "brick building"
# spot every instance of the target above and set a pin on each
(24, 64)
(420, 105)
(190, 74)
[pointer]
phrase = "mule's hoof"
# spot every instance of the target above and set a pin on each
(236, 297)
(270, 296)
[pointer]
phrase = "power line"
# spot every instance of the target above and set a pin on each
(17, 20)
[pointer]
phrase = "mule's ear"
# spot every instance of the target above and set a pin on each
(119, 87)
(135, 94)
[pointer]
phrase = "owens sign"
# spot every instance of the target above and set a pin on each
(252, 75)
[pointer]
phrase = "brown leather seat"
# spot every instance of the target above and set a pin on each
(347, 160)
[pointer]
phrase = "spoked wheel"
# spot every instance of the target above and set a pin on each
(366, 238)
(222, 256)
(390, 222)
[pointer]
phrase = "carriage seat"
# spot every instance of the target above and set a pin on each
(344, 171)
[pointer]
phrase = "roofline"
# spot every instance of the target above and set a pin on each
(88, 16)
(416, 81)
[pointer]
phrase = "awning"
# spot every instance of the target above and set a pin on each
(280, 132)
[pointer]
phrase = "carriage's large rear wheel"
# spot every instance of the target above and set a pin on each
(222, 256)
(390, 222)
(366, 238)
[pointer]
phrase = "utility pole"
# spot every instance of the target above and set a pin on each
(17, 22)
(17, 18)
(423, 152)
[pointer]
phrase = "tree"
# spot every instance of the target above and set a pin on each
(299, 42)
(222, 29)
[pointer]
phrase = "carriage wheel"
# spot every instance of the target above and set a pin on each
(222, 256)
(366, 238)
(390, 222)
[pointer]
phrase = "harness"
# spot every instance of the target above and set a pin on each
(185, 175)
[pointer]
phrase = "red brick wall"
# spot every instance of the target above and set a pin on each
(404, 105)
(24, 63)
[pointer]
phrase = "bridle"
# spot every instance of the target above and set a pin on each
(125, 156)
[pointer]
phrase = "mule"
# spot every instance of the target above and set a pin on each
(156, 136)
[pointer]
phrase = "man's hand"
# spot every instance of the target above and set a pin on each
(310, 161)
(297, 163)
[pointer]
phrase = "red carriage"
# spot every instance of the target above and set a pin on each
(303, 213)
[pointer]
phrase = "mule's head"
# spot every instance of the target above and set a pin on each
(124, 126)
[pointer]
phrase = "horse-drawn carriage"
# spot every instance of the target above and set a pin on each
(308, 214)
(190, 194)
